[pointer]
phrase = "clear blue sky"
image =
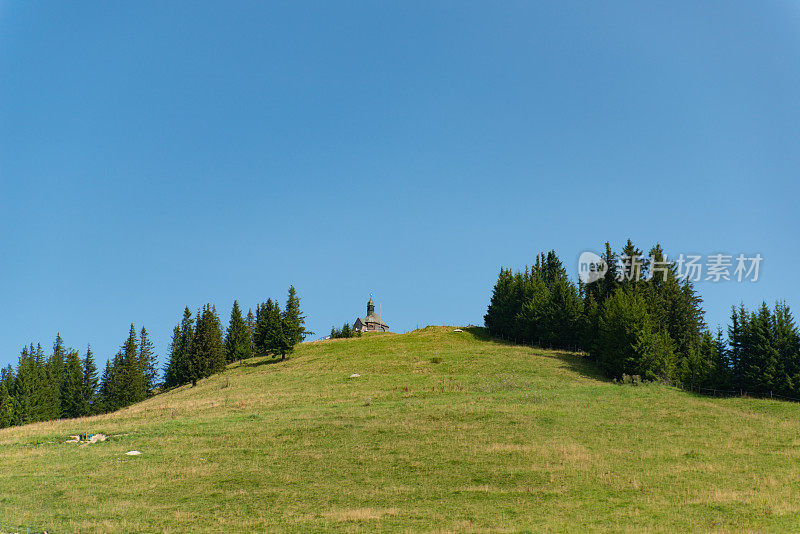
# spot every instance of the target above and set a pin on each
(155, 155)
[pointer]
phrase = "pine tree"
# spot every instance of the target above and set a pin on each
(237, 339)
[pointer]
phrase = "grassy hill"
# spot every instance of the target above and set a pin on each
(442, 431)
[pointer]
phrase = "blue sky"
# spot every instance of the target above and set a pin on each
(155, 155)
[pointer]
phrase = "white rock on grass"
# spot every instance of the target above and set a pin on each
(133, 453)
(355, 375)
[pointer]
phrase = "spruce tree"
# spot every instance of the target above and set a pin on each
(499, 316)
(24, 383)
(148, 360)
(265, 323)
(208, 354)
(624, 332)
(73, 402)
(237, 339)
(58, 357)
(250, 323)
(273, 327)
(90, 381)
(722, 364)
(52, 381)
(8, 404)
(178, 370)
(633, 265)
(787, 344)
(110, 386)
(294, 320)
(282, 335)
(133, 382)
(171, 369)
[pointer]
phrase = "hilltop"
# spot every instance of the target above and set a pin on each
(441, 431)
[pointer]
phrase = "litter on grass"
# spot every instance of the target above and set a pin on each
(86, 439)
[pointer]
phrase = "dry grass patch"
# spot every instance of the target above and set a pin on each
(360, 514)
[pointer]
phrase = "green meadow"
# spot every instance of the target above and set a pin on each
(442, 431)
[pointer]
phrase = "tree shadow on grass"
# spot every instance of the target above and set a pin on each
(264, 361)
(577, 362)
(255, 361)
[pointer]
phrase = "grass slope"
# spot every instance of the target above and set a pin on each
(494, 437)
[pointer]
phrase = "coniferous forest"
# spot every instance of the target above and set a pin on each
(66, 384)
(635, 322)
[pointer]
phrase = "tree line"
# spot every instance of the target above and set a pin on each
(199, 348)
(346, 331)
(65, 384)
(641, 318)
